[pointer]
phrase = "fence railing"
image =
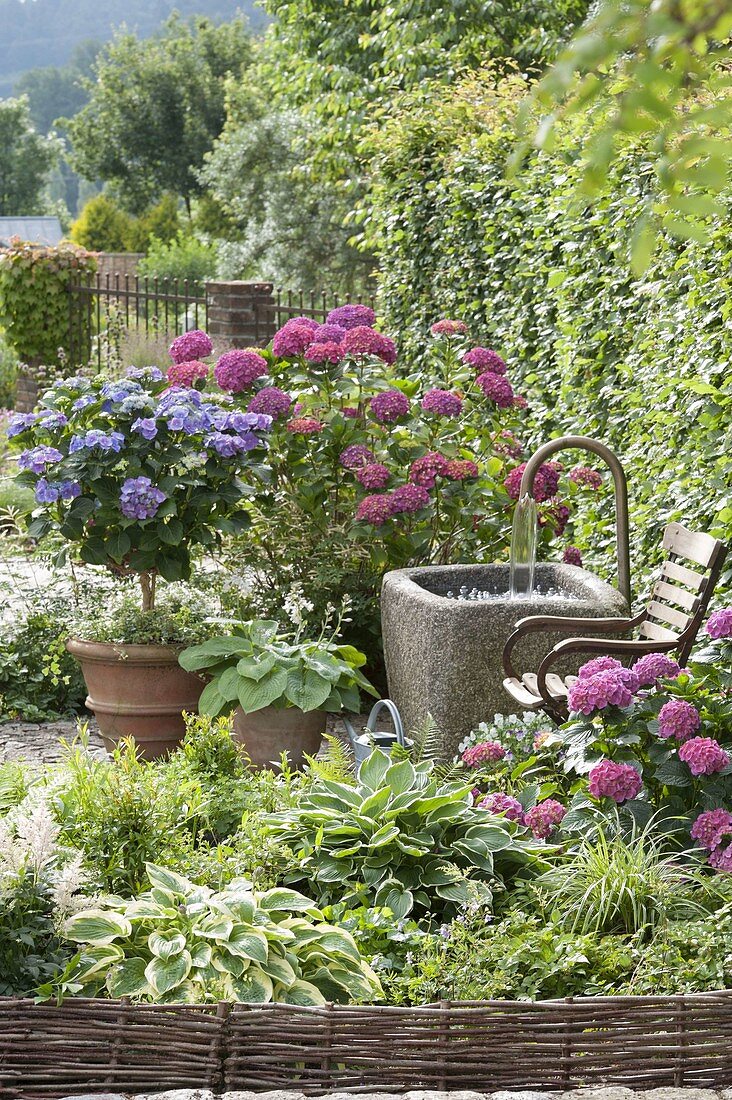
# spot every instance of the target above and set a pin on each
(295, 303)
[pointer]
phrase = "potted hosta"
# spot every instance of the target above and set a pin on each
(135, 473)
(279, 689)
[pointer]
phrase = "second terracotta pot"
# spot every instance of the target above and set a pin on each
(269, 732)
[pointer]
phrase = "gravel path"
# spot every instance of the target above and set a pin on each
(39, 743)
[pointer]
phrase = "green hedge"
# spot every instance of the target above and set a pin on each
(543, 276)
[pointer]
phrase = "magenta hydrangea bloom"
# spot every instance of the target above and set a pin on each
(546, 482)
(505, 443)
(305, 425)
(461, 469)
(329, 352)
(505, 804)
(307, 322)
(329, 334)
(652, 667)
(711, 827)
(446, 327)
(497, 389)
(442, 403)
(704, 756)
(426, 469)
(555, 515)
(586, 477)
(366, 341)
(294, 338)
(187, 373)
(272, 401)
(373, 476)
(721, 859)
(598, 664)
(375, 509)
(351, 412)
(678, 719)
(408, 498)
(191, 345)
(486, 752)
(351, 316)
(389, 406)
(543, 818)
(617, 781)
(356, 456)
(572, 556)
(236, 370)
(604, 689)
(719, 624)
(485, 359)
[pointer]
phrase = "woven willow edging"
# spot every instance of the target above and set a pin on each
(100, 1045)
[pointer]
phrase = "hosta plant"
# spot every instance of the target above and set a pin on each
(183, 942)
(399, 838)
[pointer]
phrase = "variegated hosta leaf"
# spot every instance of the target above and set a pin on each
(170, 880)
(304, 993)
(288, 901)
(127, 979)
(165, 974)
(166, 944)
(97, 926)
(254, 987)
(247, 943)
(93, 960)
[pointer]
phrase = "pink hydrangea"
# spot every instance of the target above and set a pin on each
(617, 781)
(305, 425)
(389, 406)
(236, 370)
(306, 322)
(678, 719)
(351, 316)
(191, 345)
(373, 476)
(461, 469)
(408, 498)
(426, 469)
(572, 556)
(505, 443)
(375, 509)
(327, 352)
(446, 327)
(719, 624)
(546, 482)
(598, 664)
(486, 752)
(485, 359)
(543, 818)
(356, 456)
(711, 827)
(652, 667)
(604, 689)
(704, 756)
(442, 403)
(496, 388)
(329, 334)
(272, 401)
(294, 338)
(586, 477)
(187, 373)
(505, 804)
(362, 340)
(351, 412)
(555, 514)
(721, 859)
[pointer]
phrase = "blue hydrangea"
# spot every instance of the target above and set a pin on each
(145, 426)
(50, 419)
(153, 374)
(83, 402)
(139, 498)
(49, 491)
(38, 459)
(21, 422)
(136, 402)
(230, 445)
(105, 441)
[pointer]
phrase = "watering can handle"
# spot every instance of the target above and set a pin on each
(382, 704)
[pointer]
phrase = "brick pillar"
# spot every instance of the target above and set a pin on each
(240, 315)
(30, 380)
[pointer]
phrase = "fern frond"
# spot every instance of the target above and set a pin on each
(335, 763)
(428, 741)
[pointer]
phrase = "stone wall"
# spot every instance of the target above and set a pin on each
(118, 263)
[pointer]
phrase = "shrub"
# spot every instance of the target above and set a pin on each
(102, 226)
(39, 680)
(183, 258)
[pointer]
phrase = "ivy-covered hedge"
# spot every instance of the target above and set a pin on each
(543, 276)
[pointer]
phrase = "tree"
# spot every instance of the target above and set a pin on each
(102, 226)
(53, 91)
(156, 107)
(26, 158)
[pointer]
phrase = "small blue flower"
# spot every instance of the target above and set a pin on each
(51, 419)
(83, 402)
(38, 459)
(21, 422)
(146, 427)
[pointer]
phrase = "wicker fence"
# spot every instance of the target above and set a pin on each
(98, 1045)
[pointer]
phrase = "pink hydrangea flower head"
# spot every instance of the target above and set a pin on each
(272, 401)
(543, 818)
(599, 664)
(496, 388)
(520, 402)
(604, 689)
(187, 373)
(586, 477)
(617, 781)
(306, 322)
(351, 412)
(191, 345)
(293, 339)
(356, 457)
(351, 316)
(373, 476)
(505, 804)
(719, 624)
(305, 425)
(572, 556)
(505, 443)
(236, 370)
(678, 718)
(408, 498)
(485, 359)
(375, 509)
(555, 515)
(652, 667)
(324, 353)
(389, 406)
(329, 334)
(485, 752)
(546, 482)
(366, 341)
(446, 327)
(461, 469)
(704, 756)
(721, 859)
(426, 469)
(442, 403)
(711, 827)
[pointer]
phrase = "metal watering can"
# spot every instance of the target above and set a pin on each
(363, 744)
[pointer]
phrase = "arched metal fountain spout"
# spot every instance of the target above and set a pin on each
(584, 443)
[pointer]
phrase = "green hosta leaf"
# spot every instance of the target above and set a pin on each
(454, 891)
(254, 987)
(307, 690)
(201, 955)
(213, 652)
(373, 770)
(165, 974)
(304, 993)
(166, 944)
(392, 895)
(211, 702)
(256, 667)
(282, 900)
(127, 979)
(495, 839)
(216, 928)
(263, 631)
(95, 959)
(97, 926)
(401, 777)
(256, 694)
(385, 835)
(170, 880)
(227, 685)
(280, 970)
(247, 943)
(329, 869)
(439, 874)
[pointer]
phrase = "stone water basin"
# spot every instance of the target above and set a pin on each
(444, 655)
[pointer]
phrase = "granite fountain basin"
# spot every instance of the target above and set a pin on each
(444, 655)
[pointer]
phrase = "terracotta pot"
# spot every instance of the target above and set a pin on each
(269, 732)
(137, 691)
